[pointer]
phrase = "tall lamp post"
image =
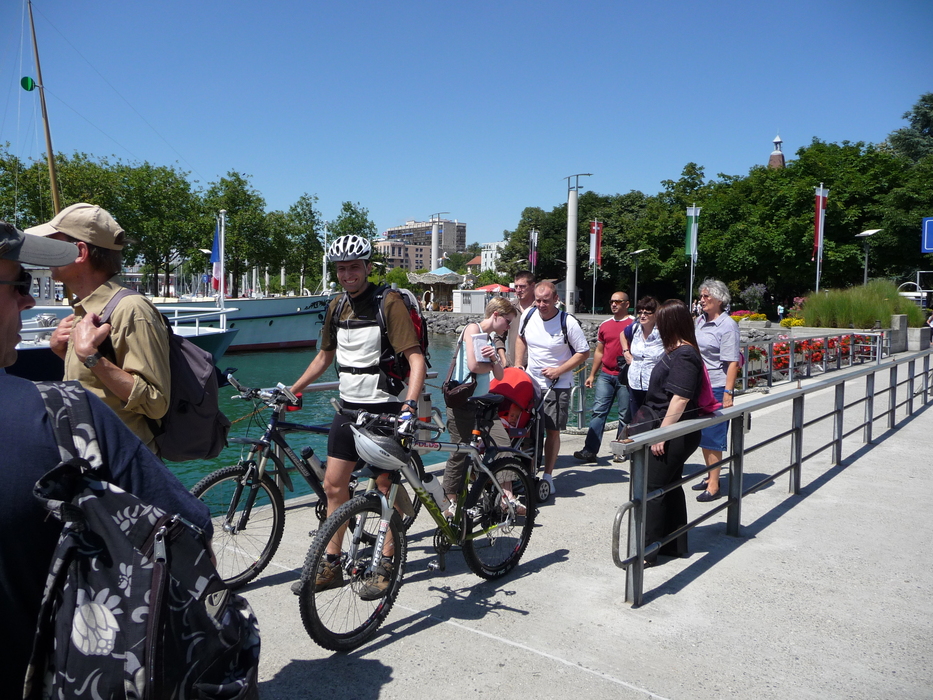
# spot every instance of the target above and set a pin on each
(636, 254)
(865, 236)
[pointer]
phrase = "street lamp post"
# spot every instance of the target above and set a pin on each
(636, 254)
(866, 235)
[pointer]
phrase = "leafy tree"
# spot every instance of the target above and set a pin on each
(916, 140)
(246, 240)
(306, 246)
(353, 219)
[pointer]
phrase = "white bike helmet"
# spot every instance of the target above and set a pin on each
(350, 247)
(383, 451)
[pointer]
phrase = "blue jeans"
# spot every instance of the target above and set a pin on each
(608, 390)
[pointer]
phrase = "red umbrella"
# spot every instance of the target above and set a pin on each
(501, 288)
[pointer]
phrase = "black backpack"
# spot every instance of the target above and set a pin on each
(132, 605)
(393, 365)
(194, 427)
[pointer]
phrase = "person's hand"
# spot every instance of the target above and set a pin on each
(488, 352)
(59, 340)
(552, 373)
(657, 449)
(727, 400)
(88, 334)
(588, 383)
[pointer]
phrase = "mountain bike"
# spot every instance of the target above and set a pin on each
(246, 499)
(491, 520)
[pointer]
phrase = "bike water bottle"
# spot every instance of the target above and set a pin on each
(433, 486)
(307, 454)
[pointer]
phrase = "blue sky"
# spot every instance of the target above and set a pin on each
(474, 108)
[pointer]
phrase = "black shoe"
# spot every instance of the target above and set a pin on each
(376, 587)
(701, 486)
(706, 496)
(585, 456)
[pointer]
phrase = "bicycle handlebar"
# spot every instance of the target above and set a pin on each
(279, 395)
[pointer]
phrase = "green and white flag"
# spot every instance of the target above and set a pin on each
(693, 217)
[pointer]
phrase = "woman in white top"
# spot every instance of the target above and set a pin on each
(460, 421)
(643, 351)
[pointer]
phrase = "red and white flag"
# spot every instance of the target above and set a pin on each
(819, 221)
(596, 243)
(215, 259)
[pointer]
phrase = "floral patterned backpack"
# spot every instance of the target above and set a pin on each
(133, 607)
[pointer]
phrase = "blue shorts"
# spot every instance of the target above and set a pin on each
(716, 437)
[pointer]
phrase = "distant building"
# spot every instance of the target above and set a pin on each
(473, 267)
(405, 255)
(776, 161)
(451, 234)
(491, 253)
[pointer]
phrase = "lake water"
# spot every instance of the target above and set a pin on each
(266, 369)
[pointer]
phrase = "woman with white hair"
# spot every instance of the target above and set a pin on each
(719, 339)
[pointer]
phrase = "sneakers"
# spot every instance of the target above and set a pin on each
(550, 481)
(330, 575)
(376, 587)
(518, 506)
(619, 458)
(585, 456)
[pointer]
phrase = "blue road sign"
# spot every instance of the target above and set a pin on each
(926, 239)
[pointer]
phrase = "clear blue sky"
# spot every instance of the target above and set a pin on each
(475, 108)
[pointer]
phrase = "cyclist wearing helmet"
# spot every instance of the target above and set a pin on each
(357, 347)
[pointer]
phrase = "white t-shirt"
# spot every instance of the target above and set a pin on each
(547, 347)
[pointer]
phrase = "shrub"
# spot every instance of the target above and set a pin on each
(754, 296)
(790, 322)
(859, 307)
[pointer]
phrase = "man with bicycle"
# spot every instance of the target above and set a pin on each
(355, 341)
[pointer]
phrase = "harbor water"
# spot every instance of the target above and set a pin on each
(266, 369)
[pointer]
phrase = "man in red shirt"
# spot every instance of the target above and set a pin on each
(605, 376)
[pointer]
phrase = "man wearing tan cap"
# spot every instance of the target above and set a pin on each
(123, 361)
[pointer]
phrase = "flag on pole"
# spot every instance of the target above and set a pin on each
(533, 247)
(693, 217)
(596, 243)
(819, 221)
(215, 259)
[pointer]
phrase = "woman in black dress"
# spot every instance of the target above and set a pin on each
(672, 395)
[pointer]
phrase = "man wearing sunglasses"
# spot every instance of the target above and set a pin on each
(30, 451)
(117, 351)
(605, 376)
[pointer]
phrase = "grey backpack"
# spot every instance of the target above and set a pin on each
(194, 427)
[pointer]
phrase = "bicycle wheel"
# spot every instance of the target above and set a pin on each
(407, 520)
(243, 542)
(498, 538)
(337, 617)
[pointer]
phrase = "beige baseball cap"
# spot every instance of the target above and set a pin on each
(85, 222)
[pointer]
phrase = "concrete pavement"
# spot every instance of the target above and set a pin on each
(826, 595)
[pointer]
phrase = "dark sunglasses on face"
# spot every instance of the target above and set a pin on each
(23, 283)
(645, 313)
(618, 301)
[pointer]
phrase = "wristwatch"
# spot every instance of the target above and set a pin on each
(728, 391)
(91, 360)
(412, 403)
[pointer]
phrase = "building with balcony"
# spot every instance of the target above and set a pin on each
(451, 235)
(490, 255)
(409, 257)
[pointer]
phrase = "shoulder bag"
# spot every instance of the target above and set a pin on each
(456, 392)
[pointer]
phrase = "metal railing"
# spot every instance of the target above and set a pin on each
(787, 359)
(918, 389)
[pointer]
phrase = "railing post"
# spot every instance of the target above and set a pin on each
(892, 396)
(638, 492)
(796, 445)
(869, 407)
(770, 363)
(838, 424)
(926, 379)
(910, 387)
(736, 472)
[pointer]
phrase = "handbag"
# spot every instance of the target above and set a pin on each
(706, 400)
(646, 418)
(623, 368)
(456, 392)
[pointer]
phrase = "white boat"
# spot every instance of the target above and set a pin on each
(271, 323)
(36, 361)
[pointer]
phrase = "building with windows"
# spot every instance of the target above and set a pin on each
(490, 255)
(409, 257)
(451, 235)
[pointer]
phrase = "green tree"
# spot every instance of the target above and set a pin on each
(915, 141)
(353, 219)
(246, 242)
(306, 247)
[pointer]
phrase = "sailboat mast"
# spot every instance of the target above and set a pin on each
(53, 175)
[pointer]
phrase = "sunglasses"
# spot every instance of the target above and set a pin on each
(508, 321)
(23, 283)
(618, 301)
(645, 313)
